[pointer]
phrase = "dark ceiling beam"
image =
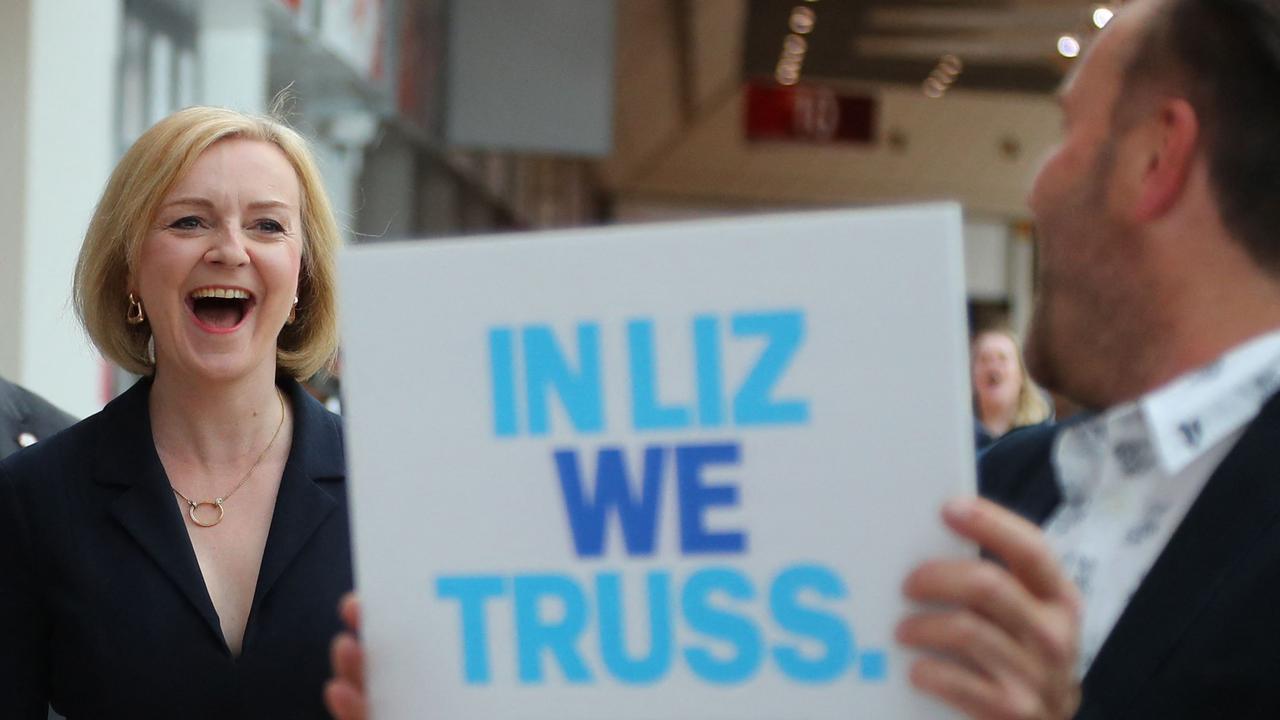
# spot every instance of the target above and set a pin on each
(880, 41)
(681, 14)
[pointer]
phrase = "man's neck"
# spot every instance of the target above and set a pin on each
(1198, 318)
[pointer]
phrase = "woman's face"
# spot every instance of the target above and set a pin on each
(997, 376)
(218, 269)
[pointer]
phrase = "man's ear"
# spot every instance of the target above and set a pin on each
(1171, 141)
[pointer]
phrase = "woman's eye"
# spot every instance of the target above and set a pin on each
(270, 226)
(187, 223)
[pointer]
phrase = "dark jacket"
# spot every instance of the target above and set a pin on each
(1200, 637)
(23, 413)
(103, 608)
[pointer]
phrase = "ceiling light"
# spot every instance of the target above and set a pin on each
(794, 45)
(1069, 46)
(943, 75)
(951, 65)
(802, 20)
(936, 85)
(1101, 16)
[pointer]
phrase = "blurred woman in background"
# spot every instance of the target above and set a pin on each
(1004, 397)
(182, 552)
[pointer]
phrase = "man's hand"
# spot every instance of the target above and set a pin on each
(1006, 644)
(345, 693)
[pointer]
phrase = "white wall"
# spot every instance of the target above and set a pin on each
(1022, 255)
(61, 161)
(233, 54)
(997, 260)
(15, 22)
(986, 259)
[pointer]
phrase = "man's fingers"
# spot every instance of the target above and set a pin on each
(1019, 544)
(980, 586)
(973, 694)
(348, 660)
(349, 611)
(974, 640)
(344, 695)
(344, 701)
(1007, 647)
(994, 593)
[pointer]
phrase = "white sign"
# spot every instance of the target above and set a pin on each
(660, 471)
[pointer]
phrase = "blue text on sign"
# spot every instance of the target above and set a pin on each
(588, 509)
(712, 605)
(576, 377)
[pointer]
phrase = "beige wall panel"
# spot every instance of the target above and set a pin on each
(958, 148)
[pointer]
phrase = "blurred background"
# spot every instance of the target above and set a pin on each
(440, 118)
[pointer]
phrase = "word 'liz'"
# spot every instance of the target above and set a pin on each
(548, 372)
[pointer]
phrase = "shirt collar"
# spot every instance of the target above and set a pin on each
(1189, 415)
(1193, 413)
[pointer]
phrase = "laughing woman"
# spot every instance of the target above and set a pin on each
(182, 552)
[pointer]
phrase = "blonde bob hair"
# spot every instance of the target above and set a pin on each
(1032, 407)
(149, 170)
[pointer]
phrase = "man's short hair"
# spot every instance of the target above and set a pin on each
(1223, 56)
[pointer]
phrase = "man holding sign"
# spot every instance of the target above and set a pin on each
(1159, 304)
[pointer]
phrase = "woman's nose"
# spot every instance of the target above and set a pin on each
(228, 247)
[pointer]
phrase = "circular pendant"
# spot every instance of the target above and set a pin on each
(217, 503)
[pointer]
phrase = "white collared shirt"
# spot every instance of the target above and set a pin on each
(1129, 476)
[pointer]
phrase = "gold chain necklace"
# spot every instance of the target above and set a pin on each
(192, 505)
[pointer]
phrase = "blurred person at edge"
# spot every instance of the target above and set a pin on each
(1151, 589)
(1004, 398)
(182, 552)
(26, 418)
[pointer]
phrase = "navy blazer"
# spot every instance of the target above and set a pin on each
(103, 609)
(1200, 638)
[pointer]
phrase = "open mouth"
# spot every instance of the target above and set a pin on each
(220, 310)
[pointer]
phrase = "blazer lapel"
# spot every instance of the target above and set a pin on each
(301, 504)
(146, 508)
(1039, 497)
(1018, 473)
(1240, 501)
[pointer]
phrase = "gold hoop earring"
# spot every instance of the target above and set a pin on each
(135, 316)
(293, 312)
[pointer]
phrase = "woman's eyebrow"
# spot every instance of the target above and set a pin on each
(202, 202)
(267, 204)
(206, 203)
